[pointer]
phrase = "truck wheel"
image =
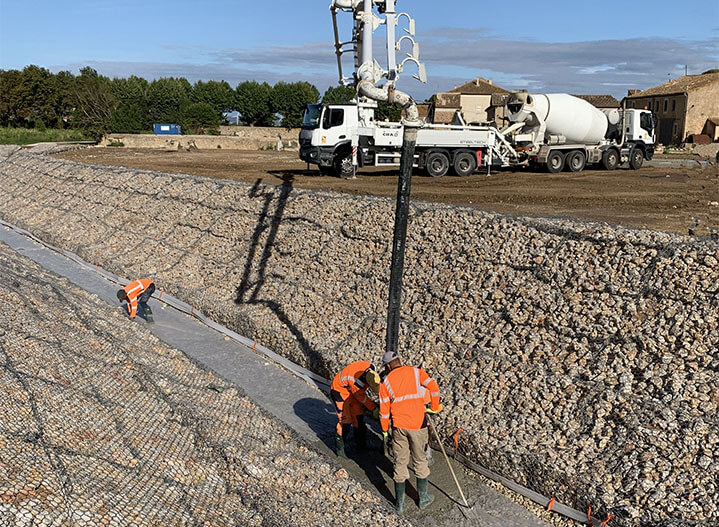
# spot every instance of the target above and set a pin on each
(555, 161)
(636, 158)
(576, 160)
(610, 159)
(343, 165)
(464, 164)
(437, 164)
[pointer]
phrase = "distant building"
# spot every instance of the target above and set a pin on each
(685, 106)
(479, 101)
(603, 102)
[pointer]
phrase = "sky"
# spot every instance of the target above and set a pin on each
(552, 46)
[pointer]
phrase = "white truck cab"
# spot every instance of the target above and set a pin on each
(326, 136)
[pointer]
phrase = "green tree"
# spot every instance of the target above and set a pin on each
(219, 94)
(10, 99)
(94, 103)
(65, 102)
(388, 112)
(131, 114)
(166, 99)
(339, 95)
(200, 117)
(290, 100)
(713, 70)
(254, 102)
(35, 97)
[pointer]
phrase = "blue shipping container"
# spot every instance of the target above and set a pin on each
(167, 129)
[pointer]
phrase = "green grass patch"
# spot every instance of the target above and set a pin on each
(28, 136)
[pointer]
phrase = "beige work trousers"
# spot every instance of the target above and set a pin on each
(406, 444)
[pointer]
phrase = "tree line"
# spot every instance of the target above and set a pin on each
(36, 98)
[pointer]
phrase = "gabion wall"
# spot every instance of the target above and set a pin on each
(101, 424)
(580, 359)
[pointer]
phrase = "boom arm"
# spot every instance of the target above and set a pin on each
(368, 72)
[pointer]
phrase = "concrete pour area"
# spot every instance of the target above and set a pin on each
(155, 417)
(580, 359)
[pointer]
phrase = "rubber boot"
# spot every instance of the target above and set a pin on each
(148, 315)
(425, 498)
(340, 446)
(399, 497)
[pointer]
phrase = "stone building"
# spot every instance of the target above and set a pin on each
(685, 106)
(479, 100)
(603, 101)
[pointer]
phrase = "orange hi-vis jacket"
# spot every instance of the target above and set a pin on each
(402, 396)
(133, 290)
(347, 383)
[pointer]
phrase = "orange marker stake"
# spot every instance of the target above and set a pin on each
(589, 515)
(551, 504)
(456, 441)
(254, 345)
(605, 522)
(161, 291)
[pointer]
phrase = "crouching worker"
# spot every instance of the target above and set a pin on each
(349, 392)
(402, 398)
(138, 292)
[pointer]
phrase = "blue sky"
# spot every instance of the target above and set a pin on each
(554, 46)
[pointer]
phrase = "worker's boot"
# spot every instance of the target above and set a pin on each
(148, 315)
(399, 497)
(340, 446)
(425, 498)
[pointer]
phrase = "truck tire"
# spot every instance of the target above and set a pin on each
(343, 165)
(576, 161)
(636, 158)
(555, 161)
(610, 159)
(437, 164)
(464, 164)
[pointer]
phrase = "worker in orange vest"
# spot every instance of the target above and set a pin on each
(138, 292)
(349, 392)
(402, 398)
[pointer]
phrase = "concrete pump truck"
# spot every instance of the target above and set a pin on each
(552, 131)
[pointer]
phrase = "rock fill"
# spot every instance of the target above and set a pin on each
(580, 359)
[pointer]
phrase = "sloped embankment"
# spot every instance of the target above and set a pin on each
(103, 424)
(580, 359)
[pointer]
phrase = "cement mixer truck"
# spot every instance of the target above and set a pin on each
(559, 131)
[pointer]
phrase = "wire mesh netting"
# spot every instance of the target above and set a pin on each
(579, 359)
(103, 424)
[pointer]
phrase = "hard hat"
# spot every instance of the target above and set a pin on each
(389, 357)
(373, 380)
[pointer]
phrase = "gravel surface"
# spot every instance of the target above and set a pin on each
(103, 424)
(579, 358)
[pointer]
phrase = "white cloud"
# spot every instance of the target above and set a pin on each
(454, 56)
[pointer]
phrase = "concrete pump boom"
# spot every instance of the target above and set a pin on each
(368, 73)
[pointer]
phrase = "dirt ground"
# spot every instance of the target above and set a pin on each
(668, 199)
